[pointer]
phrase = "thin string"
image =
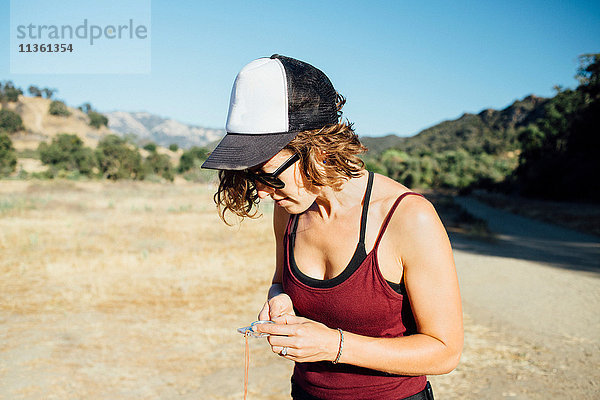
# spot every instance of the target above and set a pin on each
(246, 366)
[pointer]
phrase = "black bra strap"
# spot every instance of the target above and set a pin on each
(365, 208)
(363, 218)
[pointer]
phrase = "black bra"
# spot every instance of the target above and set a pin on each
(360, 254)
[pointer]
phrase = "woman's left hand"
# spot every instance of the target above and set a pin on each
(305, 340)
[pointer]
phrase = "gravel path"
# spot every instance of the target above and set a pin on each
(532, 301)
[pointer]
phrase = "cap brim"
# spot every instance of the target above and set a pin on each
(238, 151)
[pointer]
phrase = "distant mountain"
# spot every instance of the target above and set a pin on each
(490, 131)
(162, 131)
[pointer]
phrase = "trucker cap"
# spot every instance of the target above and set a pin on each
(272, 100)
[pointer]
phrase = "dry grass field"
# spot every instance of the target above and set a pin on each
(129, 291)
(135, 290)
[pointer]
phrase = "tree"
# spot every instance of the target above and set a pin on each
(58, 108)
(67, 152)
(191, 158)
(8, 157)
(173, 147)
(588, 74)
(560, 151)
(97, 120)
(8, 92)
(151, 147)
(159, 164)
(85, 107)
(117, 160)
(34, 91)
(48, 93)
(10, 121)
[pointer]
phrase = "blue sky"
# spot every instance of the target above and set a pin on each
(402, 66)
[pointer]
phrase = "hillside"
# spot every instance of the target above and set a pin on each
(40, 126)
(490, 131)
(162, 131)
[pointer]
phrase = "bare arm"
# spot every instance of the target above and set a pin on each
(278, 303)
(425, 254)
(432, 285)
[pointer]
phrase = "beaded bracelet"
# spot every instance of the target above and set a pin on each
(339, 354)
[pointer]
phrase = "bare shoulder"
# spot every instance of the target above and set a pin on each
(413, 213)
(386, 191)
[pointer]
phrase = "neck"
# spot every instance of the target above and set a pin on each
(330, 203)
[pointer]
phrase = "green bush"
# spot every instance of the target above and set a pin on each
(8, 156)
(560, 150)
(451, 169)
(117, 160)
(97, 120)
(372, 164)
(58, 108)
(9, 92)
(159, 164)
(66, 152)
(10, 121)
(173, 147)
(151, 147)
(192, 158)
(35, 91)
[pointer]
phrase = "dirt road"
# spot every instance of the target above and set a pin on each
(535, 294)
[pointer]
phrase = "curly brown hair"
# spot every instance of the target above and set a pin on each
(328, 157)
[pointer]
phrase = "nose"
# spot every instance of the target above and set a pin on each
(263, 190)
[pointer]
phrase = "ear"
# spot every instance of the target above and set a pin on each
(322, 157)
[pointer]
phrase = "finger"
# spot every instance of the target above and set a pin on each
(276, 309)
(281, 341)
(275, 329)
(279, 349)
(282, 320)
(279, 305)
(290, 319)
(264, 313)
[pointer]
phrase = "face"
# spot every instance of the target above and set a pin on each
(296, 196)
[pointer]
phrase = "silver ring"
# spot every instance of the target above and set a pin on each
(284, 351)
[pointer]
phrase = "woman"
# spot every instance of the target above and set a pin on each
(365, 296)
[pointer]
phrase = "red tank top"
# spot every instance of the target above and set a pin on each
(359, 300)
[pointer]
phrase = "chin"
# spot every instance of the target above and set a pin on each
(293, 208)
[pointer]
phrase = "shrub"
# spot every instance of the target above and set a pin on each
(85, 107)
(8, 92)
(34, 91)
(66, 152)
(151, 147)
(8, 156)
(191, 158)
(117, 160)
(97, 119)
(159, 164)
(173, 147)
(58, 108)
(48, 93)
(10, 121)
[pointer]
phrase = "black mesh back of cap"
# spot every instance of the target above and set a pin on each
(311, 96)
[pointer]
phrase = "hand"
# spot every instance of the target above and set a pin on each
(306, 340)
(276, 307)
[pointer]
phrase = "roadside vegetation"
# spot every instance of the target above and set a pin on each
(536, 147)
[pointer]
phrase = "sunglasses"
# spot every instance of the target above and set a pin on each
(271, 179)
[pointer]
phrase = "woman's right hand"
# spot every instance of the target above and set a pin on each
(275, 307)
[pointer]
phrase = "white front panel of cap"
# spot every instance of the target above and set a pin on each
(258, 101)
